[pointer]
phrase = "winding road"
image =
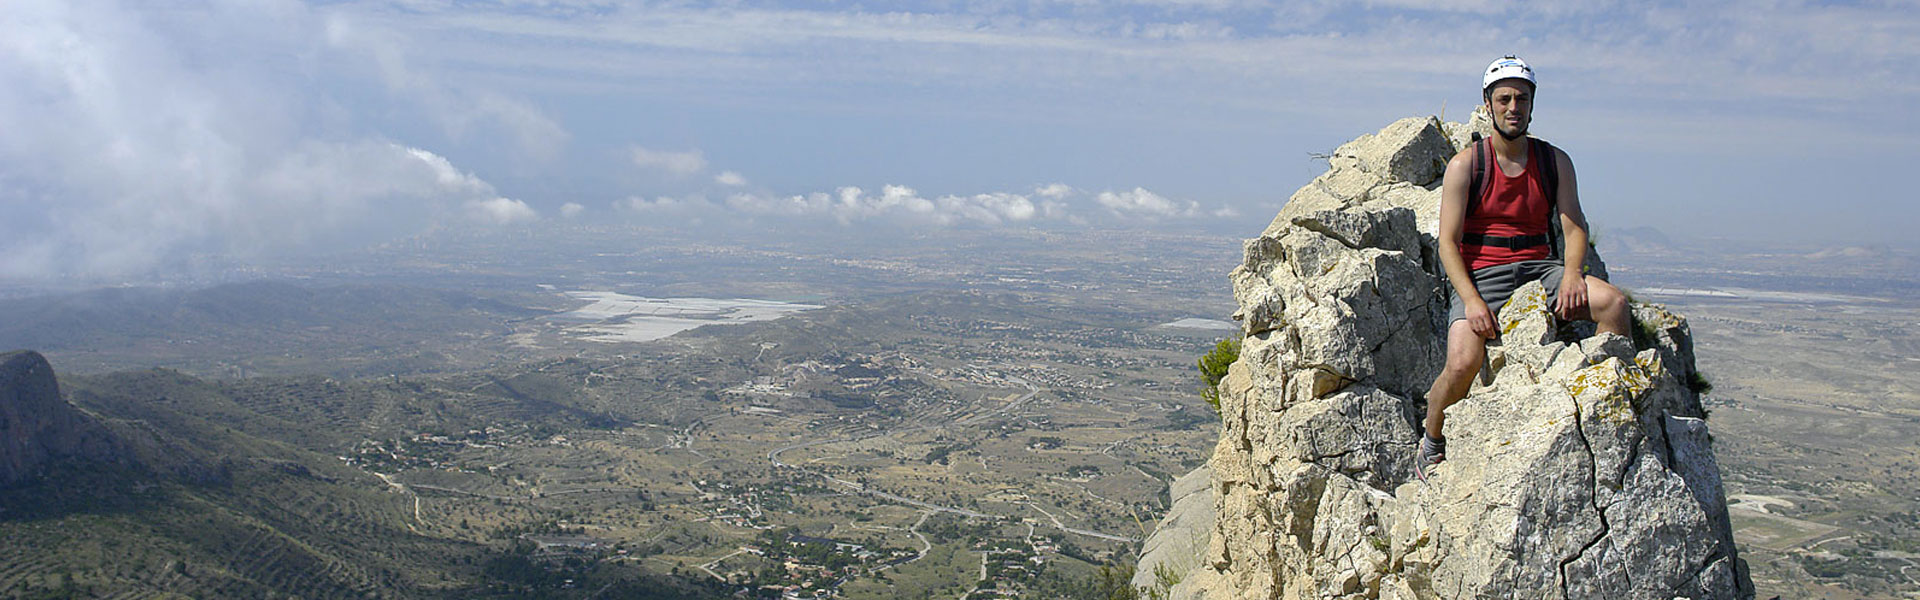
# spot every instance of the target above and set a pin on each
(402, 488)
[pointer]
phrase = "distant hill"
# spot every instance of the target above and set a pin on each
(38, 428)
(236, 490)
(258, 328)
(1633, 240)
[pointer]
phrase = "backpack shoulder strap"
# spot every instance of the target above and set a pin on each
(1549, 158)
(1482, 162)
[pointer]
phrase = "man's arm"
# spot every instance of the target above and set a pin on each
(1573, 229)
(1453, 216)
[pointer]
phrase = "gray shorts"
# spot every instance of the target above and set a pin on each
(1497, 283)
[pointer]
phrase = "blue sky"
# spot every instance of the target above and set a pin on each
(139, 132)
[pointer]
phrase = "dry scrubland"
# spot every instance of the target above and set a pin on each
(1817, 427)
(1816, 404)
(938, 436)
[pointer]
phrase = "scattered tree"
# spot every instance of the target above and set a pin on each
(1213, 368)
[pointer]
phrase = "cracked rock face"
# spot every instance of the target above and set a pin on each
(1584, 470)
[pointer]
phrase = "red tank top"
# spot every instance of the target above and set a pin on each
(1510, 206)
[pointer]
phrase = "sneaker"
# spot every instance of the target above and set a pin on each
(1432, 453)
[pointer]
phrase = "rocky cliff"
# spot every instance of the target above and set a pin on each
(1583, 470)
(1180, 541)
(37, 427)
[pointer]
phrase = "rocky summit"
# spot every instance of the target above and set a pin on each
(37, 427)
(1583, 469)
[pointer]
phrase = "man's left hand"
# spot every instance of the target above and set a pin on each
(1572, 300)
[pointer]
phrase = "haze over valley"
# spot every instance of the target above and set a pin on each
(928, 405)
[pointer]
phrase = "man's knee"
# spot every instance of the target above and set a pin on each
(1607, 307)
(1464, 348)
(1604, 297)
(1461, 358)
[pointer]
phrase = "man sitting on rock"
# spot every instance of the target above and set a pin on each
(1494, 241)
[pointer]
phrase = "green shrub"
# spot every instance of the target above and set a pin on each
(1644, 334)
(1164, 578)
(1699, 384)
(1213, 368)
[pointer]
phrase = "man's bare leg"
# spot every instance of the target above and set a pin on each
(1465, 349)
(1607, 307)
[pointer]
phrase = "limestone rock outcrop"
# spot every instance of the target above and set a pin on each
(1180, 540)
(37, 427)
(1583, 470)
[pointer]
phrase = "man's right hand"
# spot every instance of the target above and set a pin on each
(1480, 318)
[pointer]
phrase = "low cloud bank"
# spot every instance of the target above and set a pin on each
(1142, 203)
(899, 204)
(730, 198)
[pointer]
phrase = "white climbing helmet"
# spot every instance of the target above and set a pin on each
(1507, 67)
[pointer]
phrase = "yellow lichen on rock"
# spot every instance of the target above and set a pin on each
(1650, 362)
(1529, 300)
(1610, 388)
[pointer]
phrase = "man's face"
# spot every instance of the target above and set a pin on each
(1511, 106)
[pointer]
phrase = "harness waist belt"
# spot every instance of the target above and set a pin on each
(1517, 242)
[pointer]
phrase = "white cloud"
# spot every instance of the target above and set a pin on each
(852, 204)
(139, 142)
(1054, 191)
(571, 210)
(1139, 202)
(992, 208)
(500, 211)
(460, 112)
(901, 204)
(664, 204)
(362, 190)
(730, 179)
(448, 177)
(677, 163)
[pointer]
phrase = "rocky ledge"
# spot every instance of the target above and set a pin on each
(1583, 470)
